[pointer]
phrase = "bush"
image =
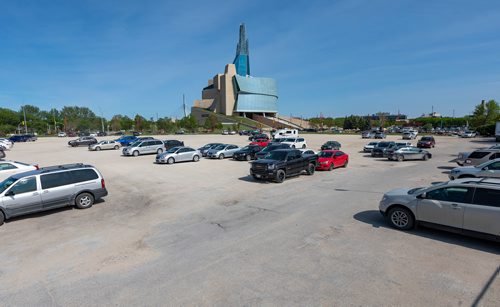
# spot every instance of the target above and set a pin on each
(486, 130)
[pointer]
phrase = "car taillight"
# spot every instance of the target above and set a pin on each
(103, 184)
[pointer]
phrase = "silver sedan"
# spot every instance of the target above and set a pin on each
(178, 154)
(104, 145)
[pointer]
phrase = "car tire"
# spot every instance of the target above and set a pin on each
(116, 147)
(221, 156)
(425, 158)
(135, 153)
(401, 218)
(159, 151)
(401, 158)
(330, 168)
(98, 148)
(310, 169)
(2, 218)
(280, 176)
(345, 164)
(84, 200)
(293, 146)
(303, 146)
(196, 158)
(248, 157)
(170, 160)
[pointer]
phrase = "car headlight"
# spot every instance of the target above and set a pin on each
(271, 166)
(324, 162)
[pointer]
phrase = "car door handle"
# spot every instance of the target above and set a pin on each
(455, 206)
(45, 191)
(35, 194)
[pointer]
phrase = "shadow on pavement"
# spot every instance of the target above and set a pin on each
(48, 212)
(375, 219)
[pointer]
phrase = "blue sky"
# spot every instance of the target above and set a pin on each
(331, 57)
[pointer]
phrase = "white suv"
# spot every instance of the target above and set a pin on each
(295, 142)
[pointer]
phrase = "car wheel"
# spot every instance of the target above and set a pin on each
(304, 146)
(84, 200)
(196, 158)
(280, 176)
(2, 218)
(159, 151)
(425, 158)
(330, 167)
(98, 148)
(116, 147)
(401, 158)
(345, 164)
(310, 169)
(248, 158)
(401, 218)
(135, 153)
(170, 161)
(293, 146)
(221, 156)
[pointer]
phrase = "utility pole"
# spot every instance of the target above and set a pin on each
(25, 123)
(102, 120)
(184, 105)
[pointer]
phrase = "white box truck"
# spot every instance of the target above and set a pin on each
(497, 132)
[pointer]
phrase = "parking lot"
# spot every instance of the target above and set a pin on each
(206, 233)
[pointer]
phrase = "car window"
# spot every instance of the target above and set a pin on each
(487, 197)
(7, 166)
(83, 175)
(478, 154)
(494, 166)
(232, 147)
(495, 156)
(339, 153)
(189, 149)
(451, 194)
(55, 180)
(158, 143)
(24, 185)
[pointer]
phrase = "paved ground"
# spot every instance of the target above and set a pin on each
(206, 234)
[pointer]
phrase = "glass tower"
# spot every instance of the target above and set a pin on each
(242, 60)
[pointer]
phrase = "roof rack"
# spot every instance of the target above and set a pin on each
(62, 167)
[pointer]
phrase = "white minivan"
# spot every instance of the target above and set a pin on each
(286, 133)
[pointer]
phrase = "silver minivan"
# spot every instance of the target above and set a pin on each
(470, 206)
(144, 147)
(50, 187)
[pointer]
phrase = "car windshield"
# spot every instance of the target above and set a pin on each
(289, 140)
(247, 147)
(6, 183)
(269, 148)
(383, 144)
(207, 146)
(326, 154)
(220, 147)
(373, 143)
(277, 155)
(426, 139)
(173, 150)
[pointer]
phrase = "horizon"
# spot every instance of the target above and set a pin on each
(332, 58)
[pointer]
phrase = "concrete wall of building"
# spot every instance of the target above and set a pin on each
(227, 93)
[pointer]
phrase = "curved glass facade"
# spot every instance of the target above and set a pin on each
(256, 94)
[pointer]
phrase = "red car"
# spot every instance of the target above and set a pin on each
(330, 159)
(261, 142)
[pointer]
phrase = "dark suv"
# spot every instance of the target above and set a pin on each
(172, 143)
(381, 148)
(426, 142)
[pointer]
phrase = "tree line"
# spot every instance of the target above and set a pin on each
(83, 119)
(483, 119)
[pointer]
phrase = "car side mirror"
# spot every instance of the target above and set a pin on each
(422, 196)
(10, 193)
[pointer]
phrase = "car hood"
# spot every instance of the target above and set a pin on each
(165, 155)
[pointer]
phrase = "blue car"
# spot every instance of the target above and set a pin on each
(126, 140)
(23, 138)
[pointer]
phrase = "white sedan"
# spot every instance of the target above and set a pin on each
(6, 143)
(295, 142)
(9, 168)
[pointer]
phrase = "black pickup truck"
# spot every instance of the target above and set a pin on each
(282, 163)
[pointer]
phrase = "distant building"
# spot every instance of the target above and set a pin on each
(235, 92)
(433, 114)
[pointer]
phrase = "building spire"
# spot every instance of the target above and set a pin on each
(242, 59)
